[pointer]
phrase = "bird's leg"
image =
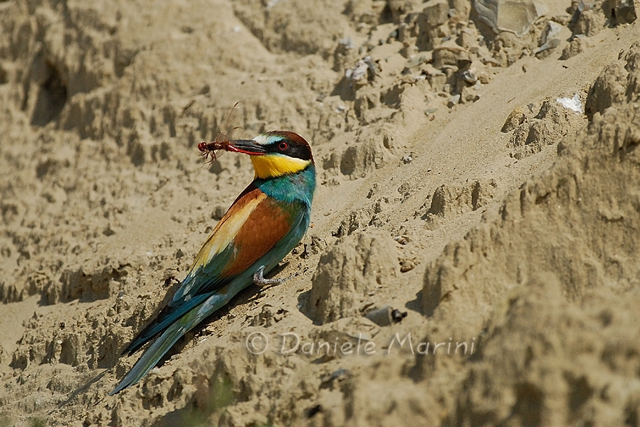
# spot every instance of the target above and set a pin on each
(260, 280)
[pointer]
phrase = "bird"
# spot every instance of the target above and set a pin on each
(265, 222)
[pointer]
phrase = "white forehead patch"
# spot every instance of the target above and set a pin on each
(260, 139)
(266, 139)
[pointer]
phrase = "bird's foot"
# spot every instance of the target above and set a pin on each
(260, 280)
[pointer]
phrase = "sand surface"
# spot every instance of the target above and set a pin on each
(474, 257)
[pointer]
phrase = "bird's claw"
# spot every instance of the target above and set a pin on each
(260, 280)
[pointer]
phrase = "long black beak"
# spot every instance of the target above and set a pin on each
(246, 146)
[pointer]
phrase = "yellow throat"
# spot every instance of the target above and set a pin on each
(275, 165)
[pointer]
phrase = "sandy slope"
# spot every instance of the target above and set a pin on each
(523, 242)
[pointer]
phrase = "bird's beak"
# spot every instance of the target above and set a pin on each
(246, 146)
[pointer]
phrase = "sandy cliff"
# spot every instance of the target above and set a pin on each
(499, 226)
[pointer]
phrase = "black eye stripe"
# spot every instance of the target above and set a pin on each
(292, 149)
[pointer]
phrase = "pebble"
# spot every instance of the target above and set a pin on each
(515, 119)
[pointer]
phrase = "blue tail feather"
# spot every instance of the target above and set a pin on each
(169, 337)
(162, 323)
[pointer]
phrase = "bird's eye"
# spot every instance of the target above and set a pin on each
(283, 146)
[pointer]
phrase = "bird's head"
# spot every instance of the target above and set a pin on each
(275, 154)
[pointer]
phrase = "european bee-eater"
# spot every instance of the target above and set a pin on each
(262, 226)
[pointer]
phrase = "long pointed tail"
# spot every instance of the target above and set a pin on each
(169, 337)
(161, 323)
